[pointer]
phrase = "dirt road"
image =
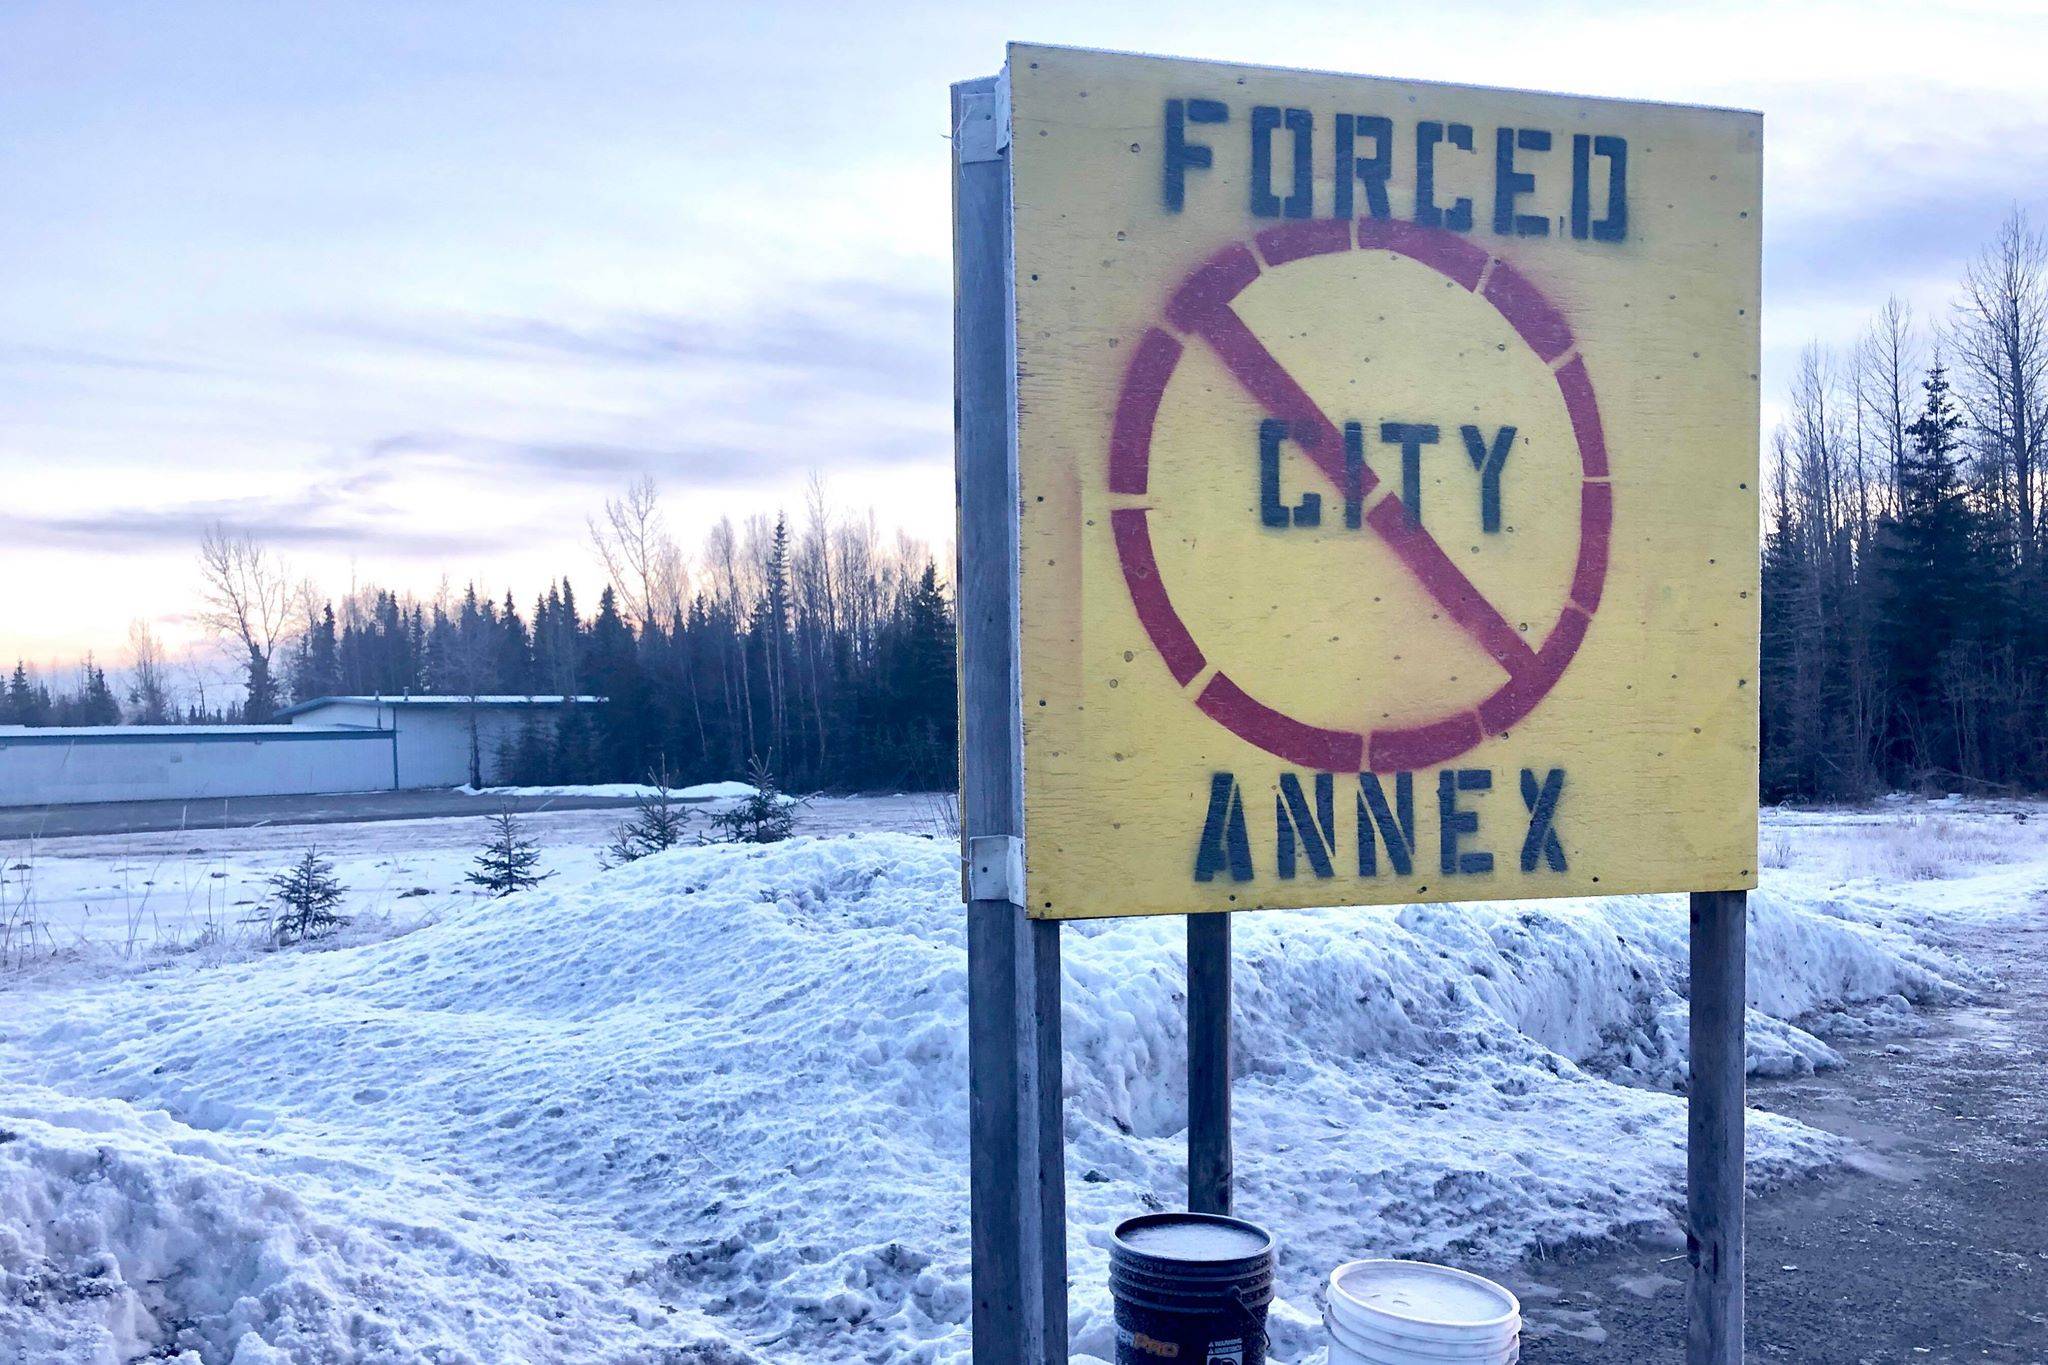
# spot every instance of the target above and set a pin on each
(1933, 1247)
(918, 812)
(248, 812)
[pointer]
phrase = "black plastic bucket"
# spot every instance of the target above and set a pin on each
(1191, 1288)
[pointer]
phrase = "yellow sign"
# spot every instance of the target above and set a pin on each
(1388, 461)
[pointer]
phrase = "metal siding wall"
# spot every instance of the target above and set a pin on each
(433, 747)
(147, 768)
(433, 743)
(501, 731)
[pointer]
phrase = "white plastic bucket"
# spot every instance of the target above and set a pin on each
(1346, 1349)
(1415, 1313)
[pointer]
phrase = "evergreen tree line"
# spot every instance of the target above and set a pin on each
(85, 697)
(88, 700)
(1905, 613)
(825, 652)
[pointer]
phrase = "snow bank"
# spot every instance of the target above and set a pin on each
(714, 1103)
(125, 1234)
(703, 791)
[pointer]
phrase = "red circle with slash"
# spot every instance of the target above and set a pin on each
(1200, 309)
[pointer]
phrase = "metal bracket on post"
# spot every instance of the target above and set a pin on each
(984, 132)
(995, 868)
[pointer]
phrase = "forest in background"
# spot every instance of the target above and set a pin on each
(823, 650)
(1905, 613)
(1905, 622)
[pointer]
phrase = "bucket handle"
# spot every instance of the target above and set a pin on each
(1251, 1315)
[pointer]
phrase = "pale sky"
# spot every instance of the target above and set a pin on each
(408, 290)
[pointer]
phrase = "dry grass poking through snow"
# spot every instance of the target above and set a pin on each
(1915, 848)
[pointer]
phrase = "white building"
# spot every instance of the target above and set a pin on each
(332, 745)
(435, 741)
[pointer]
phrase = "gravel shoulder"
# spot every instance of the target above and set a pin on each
(1930, 1246)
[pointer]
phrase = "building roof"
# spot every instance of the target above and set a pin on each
(139, 731)
(316, 703)
(171, 734)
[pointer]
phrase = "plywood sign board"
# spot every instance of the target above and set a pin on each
(1388, 473)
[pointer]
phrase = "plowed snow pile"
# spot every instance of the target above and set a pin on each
(712, 1107)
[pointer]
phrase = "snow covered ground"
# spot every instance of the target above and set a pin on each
(86, 907)
(711, 1106)
(702, 791)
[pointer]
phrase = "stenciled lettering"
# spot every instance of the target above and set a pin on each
(1310, 830)
(1368, 159)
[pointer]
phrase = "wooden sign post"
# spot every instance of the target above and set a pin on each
(1358, 505)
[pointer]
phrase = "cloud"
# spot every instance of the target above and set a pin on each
(1900, 245)
(375, 498)
(31, 357)
(594, 463)
(890, 338)
(304, 524)
(846, 376)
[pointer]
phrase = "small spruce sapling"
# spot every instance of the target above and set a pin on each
(507, 860)
(658, 823)
(765, 817)
(305, 898)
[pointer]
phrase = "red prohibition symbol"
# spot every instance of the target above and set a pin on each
(1200, 309)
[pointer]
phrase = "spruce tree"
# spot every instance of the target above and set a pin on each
(14, 701)
(260, 707)
(305, 900)
(97, 705)
(514, 666)
(320, 670)
(768, 816)
(657, 825)
(929, 664)
(28, 701)
(507, 860)
(1785, 607)
(1939, 578)
(612, 671)
(528, 761)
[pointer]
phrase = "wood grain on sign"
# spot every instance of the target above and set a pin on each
(1388, 466)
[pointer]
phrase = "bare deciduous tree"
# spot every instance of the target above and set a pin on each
(731, 597)
(646, 568)
(148, 691)
(1887, 361)
(2001, 345)
(247, 604)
